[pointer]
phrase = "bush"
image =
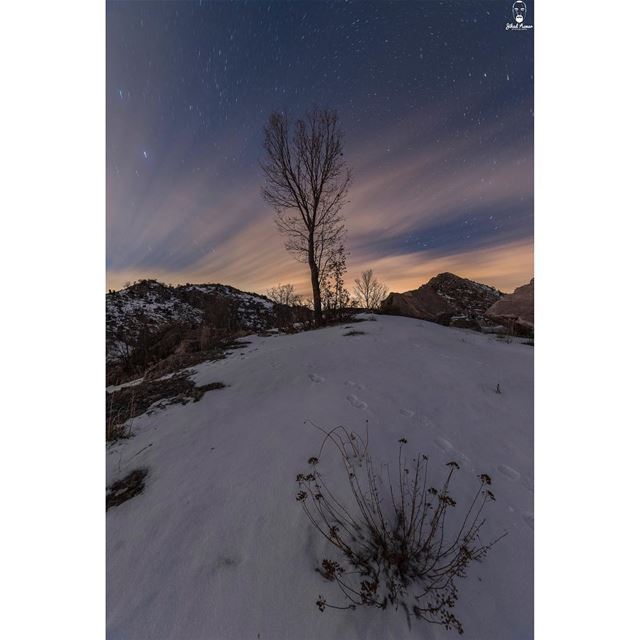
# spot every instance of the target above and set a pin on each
(394, 549)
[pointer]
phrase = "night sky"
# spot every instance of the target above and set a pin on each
(435, 99)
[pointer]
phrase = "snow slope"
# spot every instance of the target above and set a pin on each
(216, 546)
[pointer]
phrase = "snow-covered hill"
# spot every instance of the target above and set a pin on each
(217, 546)
(155, 303)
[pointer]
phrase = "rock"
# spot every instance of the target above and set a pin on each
(515, 310)
(447, 299)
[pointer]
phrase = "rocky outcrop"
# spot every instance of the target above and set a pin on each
(447, 299)
(150, 304)
(154, 329)
(515, 310)
(148, 308)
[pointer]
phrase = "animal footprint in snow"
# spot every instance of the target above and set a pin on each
(315, 378)
(512, 474)
(407, 412)
(356, 385)
(356, 402)
(445, 445)
(228, 561)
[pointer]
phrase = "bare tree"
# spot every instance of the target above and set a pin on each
(306, 182)
(369, 291)
(284, 294)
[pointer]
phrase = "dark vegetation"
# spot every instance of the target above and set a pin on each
(354, 332)
(125, 404)
(393, 546)
(151, 352)
(127, 488)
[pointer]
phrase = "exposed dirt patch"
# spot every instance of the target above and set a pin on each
(169, 349)
(127, 488)
(129, 402)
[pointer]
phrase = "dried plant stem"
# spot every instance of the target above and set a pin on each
(400, 556)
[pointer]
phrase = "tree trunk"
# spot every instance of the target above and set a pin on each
(315, 286)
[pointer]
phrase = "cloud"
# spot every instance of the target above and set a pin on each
(209, 224)
(505, 266)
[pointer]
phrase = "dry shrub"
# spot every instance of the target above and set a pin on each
(394, 548)
(118, 417)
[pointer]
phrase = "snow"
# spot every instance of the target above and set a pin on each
(123, 305)
(116, 387)
(217, 547)
(159, 304)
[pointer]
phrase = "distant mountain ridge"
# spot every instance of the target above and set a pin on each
(446, 299)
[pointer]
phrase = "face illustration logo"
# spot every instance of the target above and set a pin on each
(519, 10)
